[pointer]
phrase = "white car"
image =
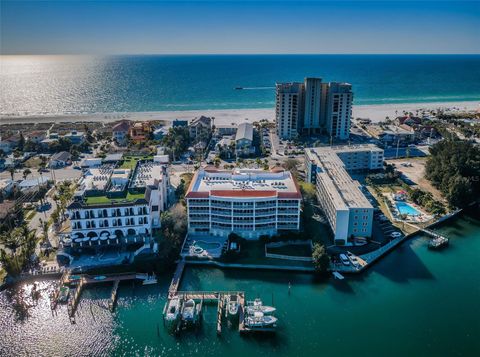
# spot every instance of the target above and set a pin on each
(344, 259)
(353, 259)
(395, 234)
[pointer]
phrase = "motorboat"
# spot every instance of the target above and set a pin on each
(232, 305)
(260, 320)
(257, 306)
(100, 277)
(190, 312)
(63, 294)
(151, 279)
(173, 310)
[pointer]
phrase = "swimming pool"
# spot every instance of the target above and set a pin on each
(405, 208)
(207, 245)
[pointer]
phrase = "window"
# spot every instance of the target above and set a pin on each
(154, 208)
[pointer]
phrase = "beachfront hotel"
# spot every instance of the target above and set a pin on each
(348, 211)
(250, 203)
(313, 107)
(117, 204)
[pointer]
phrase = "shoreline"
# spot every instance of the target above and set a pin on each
(375, 112)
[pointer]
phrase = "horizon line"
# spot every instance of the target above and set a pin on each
(242, 54)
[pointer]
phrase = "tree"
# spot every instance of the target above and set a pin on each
(321, 260)
(26, 172)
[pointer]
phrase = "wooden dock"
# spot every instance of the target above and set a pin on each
(177, 277)
(113, 296)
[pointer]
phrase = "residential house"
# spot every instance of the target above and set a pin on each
(140, 131)
(244, 140)
(120, 132)
(60, 159)
(8, 144)
(200, 128)
(31, 185)
(76, 137)
(36, 136)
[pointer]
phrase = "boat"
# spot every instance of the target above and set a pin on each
(63, 294)
(238, 88)
(257, 306)
(151, 279)
(438, 243)
(232, 305)
(173, 310)
(100, 277)
(337, 275)
(190, 312)
(259, 320)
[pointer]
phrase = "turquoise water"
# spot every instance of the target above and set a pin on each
(415, 302)
(207, 245)
(32, 85)
(405, 208)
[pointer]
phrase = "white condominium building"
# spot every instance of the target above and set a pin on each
(116, 205)
(289, 108)
(320, 107)
(250, 203)
(348, 211)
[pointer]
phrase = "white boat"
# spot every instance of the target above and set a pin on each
(173, 310)
(188, 310)
(151, 279)
(257, 306)
(337, 275)
(259, 320)
(232, 305)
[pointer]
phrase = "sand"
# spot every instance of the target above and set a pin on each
(374, 112)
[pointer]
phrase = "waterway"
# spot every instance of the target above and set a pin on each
(414, 302)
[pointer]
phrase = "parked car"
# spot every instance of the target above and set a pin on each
(344, 259)
(353, 259)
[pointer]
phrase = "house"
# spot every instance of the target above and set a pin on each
(224, 148)
(200, 128)
(159, 133)
(140, 131)
(8, 144)
(179, 123)
(112, 158)
(36, 136)
(244, 140)
(226, 129)
(31, 185)
(60, 159)
(408, 120)
(6, 186)
(120, 132)
(395, 134)
(76, 137)
(91, 162)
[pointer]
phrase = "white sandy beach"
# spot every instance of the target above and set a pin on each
(226, 116)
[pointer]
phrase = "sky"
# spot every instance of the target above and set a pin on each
(246, 27)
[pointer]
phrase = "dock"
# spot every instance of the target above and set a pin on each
(84, 280)
(437, 241)
(177, 277)
(113, 296)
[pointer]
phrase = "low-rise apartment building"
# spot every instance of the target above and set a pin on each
(250, 203)
(113, 202)
(348, 211)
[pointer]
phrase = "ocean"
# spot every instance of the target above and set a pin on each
(414, 302)
(63, 85)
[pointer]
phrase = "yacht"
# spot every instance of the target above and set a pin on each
(257, 306)
(260, 320)
(173, 309)
(232, 305)
(151, 279)
(190, 312)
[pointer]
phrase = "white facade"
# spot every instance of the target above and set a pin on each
(288, 109)
(348, 211)
(118, 217)
(313, 107)
(250, 203)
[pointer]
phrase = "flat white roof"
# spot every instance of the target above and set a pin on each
(343, 190)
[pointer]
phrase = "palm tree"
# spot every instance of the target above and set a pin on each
(26, 172)
(12, 172)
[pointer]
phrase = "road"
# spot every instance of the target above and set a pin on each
(66, 173)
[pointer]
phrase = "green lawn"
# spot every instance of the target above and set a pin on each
(129, 162)
(99, 200)
(253, 252)
(295, 250)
